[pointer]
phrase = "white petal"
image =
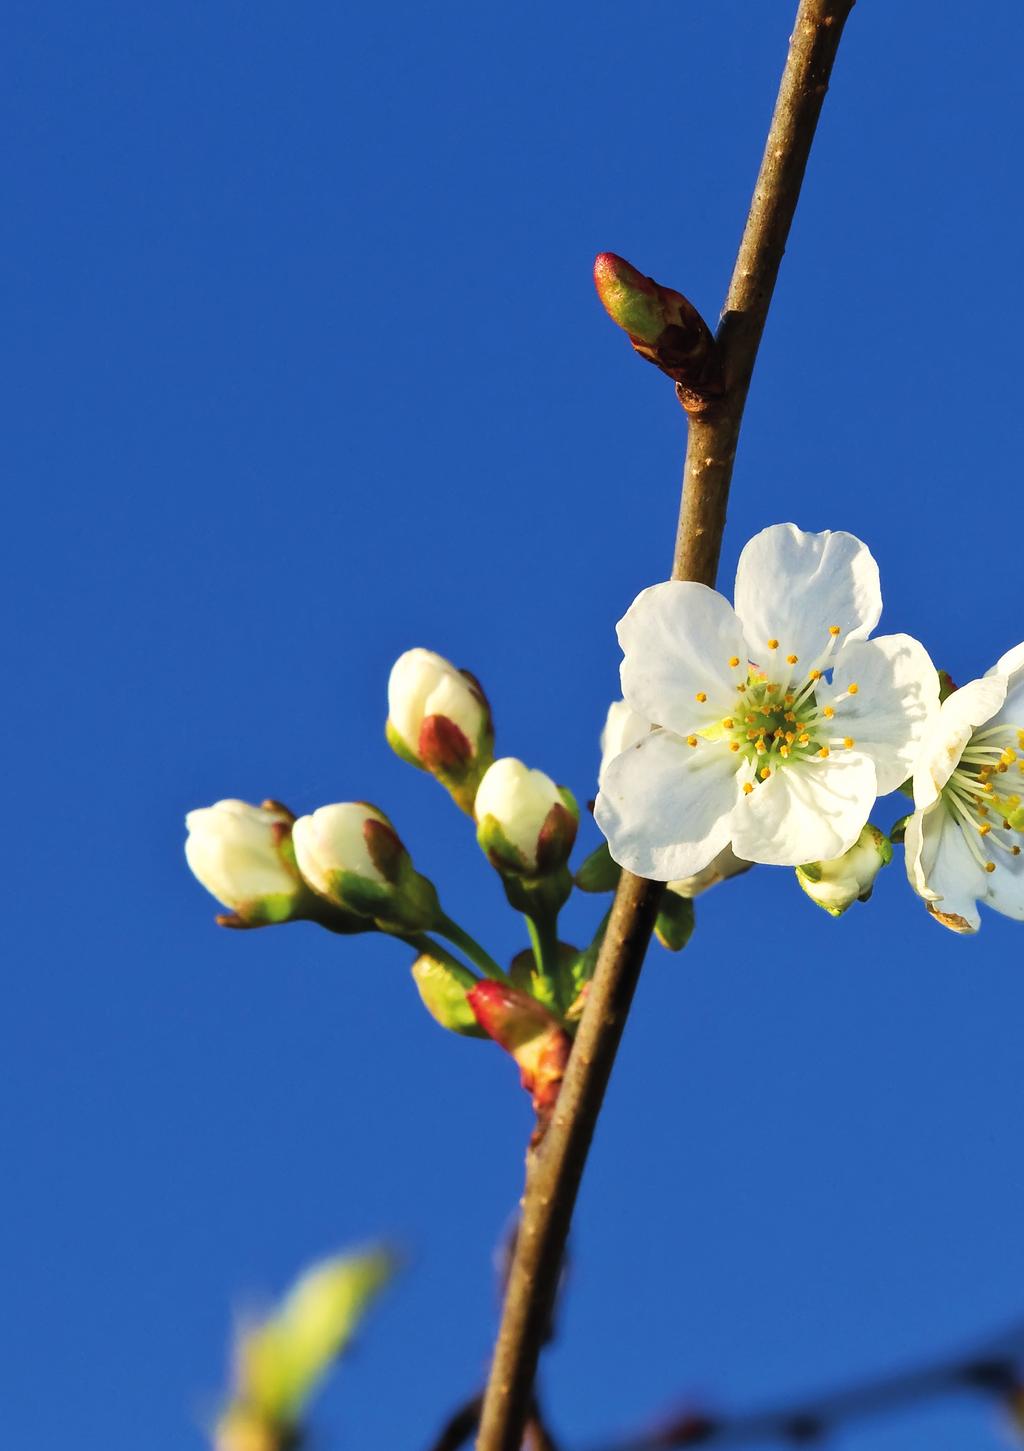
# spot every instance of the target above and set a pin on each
(806, 811)
(896, 702)
(959, 716)
(232, 850)
(1012, 666)
(678, 639)
(622, 729)
(665, 807)
(943, 870)
(1004, 888)
(792, 586)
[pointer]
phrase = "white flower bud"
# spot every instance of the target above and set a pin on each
(439, 719)
(836, 885)
(333, 840)
(350, 853)
(241, 854)
(622, 729)
(526, 823)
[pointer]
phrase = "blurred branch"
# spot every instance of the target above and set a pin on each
(992, 1371)
(555, 1166)
(460, 1426)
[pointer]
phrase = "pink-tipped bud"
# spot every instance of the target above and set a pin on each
(663, 326)
(531, 1035)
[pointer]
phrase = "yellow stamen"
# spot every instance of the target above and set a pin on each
(747, 788)
(773, 644)
(734, 660)
(691, 740)
(853, 688)
(833, 630)
(701, 697)
(792, 659)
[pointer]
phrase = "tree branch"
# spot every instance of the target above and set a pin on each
(555, 1167)
(993, 1372)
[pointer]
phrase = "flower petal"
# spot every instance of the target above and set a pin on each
(678, 639)
(1004, 888)
(806, 811)
(942, 869)
(1012, 666)
(665, 807)
(622, 729)
(792, 586)
(958, 717)
(896, 701)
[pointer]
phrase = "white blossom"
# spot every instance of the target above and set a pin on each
(964, 841)
(778, 722)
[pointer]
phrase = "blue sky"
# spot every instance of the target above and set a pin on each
(304, 368)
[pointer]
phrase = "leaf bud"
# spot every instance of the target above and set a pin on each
(664, 327)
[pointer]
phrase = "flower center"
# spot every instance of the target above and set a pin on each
(777, 718)
(984, 794)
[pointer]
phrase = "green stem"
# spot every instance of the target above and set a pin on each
(469, 945)
(543, 930)
(421, 943)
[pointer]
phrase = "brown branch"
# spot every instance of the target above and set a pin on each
(992, 1372)
(457, 1430)
(555, 1168)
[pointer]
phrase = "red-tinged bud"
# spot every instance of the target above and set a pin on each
(529, 1034)
(664, 327)
(443, 747)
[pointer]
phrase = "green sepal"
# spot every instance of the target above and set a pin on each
(400, 748)
(599, 873)
(538, 896)
(675, 921)
(409, 905)
(443, 986)
(899, 829)
(556, 992)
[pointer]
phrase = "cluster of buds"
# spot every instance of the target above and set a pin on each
(343, 867)
(280, 1361)
(440, 721)
(664, 328)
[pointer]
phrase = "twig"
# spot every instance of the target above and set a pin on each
(457, 1430)
(991, 1372)
(555, 1168)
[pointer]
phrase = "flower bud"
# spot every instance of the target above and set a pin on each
(836, 885)
(245, 857)
(350, 853)
(525, 823)
(439, 720)
(443, 986)
(663, 327)
(531, 1035)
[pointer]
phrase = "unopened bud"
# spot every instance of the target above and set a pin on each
(443, 985)
(836, 885)
(439, 720)
(351, 854)
(525, 823)
(663, 326)
(245, 857)
(531, 1035)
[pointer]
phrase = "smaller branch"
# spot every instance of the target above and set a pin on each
(459, 1427)
(993, 1371)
